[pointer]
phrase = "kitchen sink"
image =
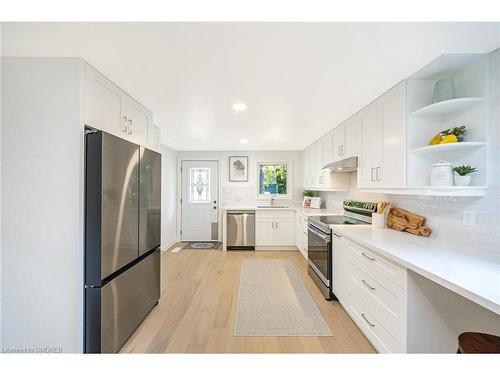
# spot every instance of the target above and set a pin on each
(269, 206)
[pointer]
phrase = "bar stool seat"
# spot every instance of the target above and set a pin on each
(475, 343)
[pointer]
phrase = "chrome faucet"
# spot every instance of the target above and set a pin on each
(272, 200)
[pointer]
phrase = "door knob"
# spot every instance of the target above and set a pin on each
(215, 207)
(215, 202)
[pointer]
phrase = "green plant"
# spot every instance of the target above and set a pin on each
(308, 193)
(458, 131)
(464, 170)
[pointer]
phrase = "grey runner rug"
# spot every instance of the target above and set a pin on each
(273, 301)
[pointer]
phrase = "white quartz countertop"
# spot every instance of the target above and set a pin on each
(467, 272)
(299, 209)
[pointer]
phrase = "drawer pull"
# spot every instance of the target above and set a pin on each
(366, 320)
(367, 257)
(367, 285)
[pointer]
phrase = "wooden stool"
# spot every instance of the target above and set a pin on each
(475, 343)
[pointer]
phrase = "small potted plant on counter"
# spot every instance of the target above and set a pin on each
(307, 198)
(463, 175)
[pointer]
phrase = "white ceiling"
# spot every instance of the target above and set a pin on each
(298, 79)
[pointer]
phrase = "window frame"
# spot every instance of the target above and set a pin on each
(289, 179)
(209, 183)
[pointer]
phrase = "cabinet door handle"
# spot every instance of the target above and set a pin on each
(367, 257)
(130, 126)
(272, 224)
(342, 150)
(367, 285)
(371, 174)
(276, 225)
(312, 180)
(366, 320)
(378, 173)
(125, 123)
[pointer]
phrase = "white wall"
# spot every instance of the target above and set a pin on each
(168, 197)
(235, 193)
(42, 205)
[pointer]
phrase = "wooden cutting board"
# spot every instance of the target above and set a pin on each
(402, 220)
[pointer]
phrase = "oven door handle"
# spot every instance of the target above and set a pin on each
(324, 237)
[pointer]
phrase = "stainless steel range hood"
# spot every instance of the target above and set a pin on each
(343, 166)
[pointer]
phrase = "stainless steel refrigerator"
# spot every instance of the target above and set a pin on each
(122, 238)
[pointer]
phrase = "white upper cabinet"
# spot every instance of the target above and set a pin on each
(103, 103)
(305, 161)
(137, 118)
(346, 139)
(328, 148)
(154, 137)
(392, 173)
(320, 163)
(309, 167)
(383, 141)
(352, 144)
(371, 130)
(110, 109)
(338, 141)
(391, 135)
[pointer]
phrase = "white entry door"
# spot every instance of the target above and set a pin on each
(200, 200)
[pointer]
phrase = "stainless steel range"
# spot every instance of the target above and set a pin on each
(319, 242)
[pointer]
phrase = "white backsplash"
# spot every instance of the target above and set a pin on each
(444, 215)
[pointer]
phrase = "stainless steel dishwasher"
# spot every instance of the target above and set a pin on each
(240, 230)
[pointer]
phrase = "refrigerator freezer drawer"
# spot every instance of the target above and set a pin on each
(114, 311)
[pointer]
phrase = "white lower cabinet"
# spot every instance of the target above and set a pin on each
(275, 229)
(301, 234)
(372, 289)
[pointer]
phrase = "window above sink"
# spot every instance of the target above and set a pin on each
(274, 180)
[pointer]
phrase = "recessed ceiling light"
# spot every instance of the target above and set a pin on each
(243, 141)
(239, 107)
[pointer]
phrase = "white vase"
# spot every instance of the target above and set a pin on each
(462, 180)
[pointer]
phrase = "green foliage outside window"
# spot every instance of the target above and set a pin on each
(273, 179)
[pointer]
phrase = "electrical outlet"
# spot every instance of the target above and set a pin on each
(469, 218)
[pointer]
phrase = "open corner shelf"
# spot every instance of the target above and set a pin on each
(446, 107)
(444, 147)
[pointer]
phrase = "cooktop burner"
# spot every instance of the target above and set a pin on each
(355, 213)
(338, 219)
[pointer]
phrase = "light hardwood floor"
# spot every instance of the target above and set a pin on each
(197, 310)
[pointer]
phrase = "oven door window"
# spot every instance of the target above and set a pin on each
(318, 251)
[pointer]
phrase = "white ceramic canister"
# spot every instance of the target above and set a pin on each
(442, 174)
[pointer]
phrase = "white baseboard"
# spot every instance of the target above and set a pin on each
(168, 245)
(276, 248)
